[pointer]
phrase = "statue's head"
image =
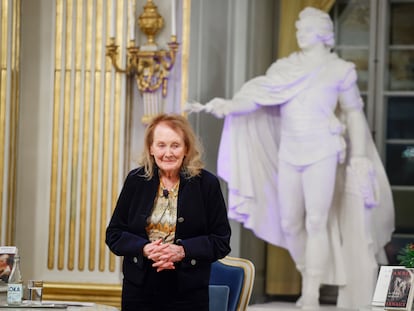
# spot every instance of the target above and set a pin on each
(315, 24)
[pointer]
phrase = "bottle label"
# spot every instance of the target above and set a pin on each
(14, 293)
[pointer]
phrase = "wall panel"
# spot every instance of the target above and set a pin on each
(9, 110)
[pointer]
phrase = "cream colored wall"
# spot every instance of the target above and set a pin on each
(35, 136)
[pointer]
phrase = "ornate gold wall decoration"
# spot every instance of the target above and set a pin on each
(149, 64)
(98, 293)
(88, 137)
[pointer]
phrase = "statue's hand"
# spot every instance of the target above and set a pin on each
(364, 172)
(219, 107)
(193, 107)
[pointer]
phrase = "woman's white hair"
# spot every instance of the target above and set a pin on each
(319, 21)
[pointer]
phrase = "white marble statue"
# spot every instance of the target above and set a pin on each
(301, 167)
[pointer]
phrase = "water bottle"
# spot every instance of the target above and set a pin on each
(15, 284)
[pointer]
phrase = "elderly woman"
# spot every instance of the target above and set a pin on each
(170, 222)
(297, 120)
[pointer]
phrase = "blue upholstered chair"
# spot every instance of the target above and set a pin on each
(231, 284)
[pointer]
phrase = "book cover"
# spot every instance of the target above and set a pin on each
(381, 288)
(400, 289)
(6, 263)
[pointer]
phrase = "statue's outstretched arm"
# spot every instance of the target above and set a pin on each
(221, 107)
(252, 94)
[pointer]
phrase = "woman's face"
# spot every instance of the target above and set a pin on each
(168, 149)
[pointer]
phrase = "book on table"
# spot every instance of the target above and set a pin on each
(400, 289)
(7, 254)
(381, 288)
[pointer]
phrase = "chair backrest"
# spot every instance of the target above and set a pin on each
(238, 274)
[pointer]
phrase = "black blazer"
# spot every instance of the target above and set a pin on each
(202, 226)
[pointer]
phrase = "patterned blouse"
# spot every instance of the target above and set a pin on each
(162, 222)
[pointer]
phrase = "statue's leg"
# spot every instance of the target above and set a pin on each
(318, 185)
(292, 210)
(292, 213)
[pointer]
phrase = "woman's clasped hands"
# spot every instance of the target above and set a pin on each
(164, 255)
